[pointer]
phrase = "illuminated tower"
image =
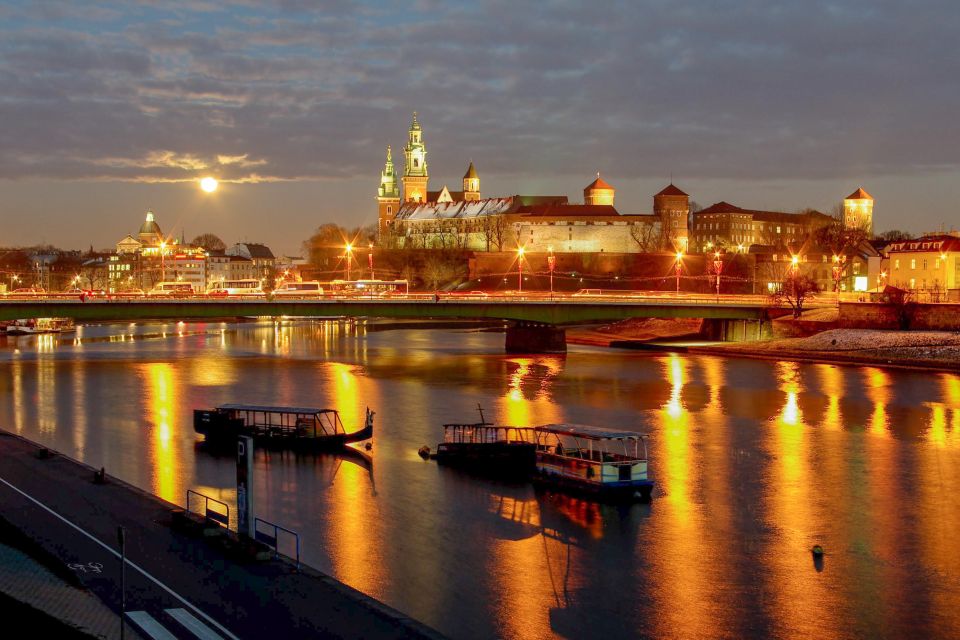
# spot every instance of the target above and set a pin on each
(672, 206)
(388, 194)
(415, 172)
(471, 184)
(598, 192)
(858, 211)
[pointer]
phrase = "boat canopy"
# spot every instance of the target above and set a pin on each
(265, 409)
(589, 432)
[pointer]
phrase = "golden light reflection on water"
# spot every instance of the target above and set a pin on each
(161, 386)
(832, 383)
(682, 587)
(356, 525)
(789, 505)
(877, 385)
(528, 401)
(212, 370)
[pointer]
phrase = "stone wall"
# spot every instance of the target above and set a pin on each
(875, 315)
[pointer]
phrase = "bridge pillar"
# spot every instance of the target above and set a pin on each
(531, 337)
(734, 330)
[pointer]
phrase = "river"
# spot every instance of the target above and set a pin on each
(755, 462)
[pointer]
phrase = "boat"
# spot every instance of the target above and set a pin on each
(481, 447)
(606, 464)
(299, 427)
(33, 326)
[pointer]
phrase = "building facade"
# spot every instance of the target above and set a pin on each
(928, 266)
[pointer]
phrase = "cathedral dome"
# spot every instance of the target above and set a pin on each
(150, 225)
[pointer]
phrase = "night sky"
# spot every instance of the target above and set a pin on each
(110, 110)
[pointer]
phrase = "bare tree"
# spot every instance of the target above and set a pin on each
(646, 235)
(209, 242)
(494, 228)
(895, 235)
(436, 271)
(794, 289)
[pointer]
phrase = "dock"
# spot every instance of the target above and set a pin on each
(177, 585)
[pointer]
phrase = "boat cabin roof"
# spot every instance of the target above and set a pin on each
(589, 432)
(265, 409)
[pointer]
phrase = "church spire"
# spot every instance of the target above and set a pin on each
(415, 176)
(389, 188)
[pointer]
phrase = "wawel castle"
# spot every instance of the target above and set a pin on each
(411, 215)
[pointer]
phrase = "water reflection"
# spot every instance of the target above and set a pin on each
(161, 390)
(754, 462)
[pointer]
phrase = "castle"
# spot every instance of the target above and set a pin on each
(411, 215)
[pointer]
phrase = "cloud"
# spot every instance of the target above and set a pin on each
(151, 91)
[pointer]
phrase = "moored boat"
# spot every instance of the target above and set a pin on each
(606, 464)
(310, 428)
(33, 326)
(503, 452)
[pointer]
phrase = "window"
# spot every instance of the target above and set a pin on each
(896, 264)
(913, 283)
(936, 263)
(924, 264)
(778, 229)
(856, 268)
(913, 264)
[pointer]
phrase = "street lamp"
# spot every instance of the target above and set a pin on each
(370, 260)
(349, 257)
(677, 268)
(717, 268)
(794, 263)
(520, 269)
(838, 262)
(163, 264)
(551, 265)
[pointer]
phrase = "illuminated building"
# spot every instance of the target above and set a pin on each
(858, 211)
(928, 266)
(726, 226)
(415, 175)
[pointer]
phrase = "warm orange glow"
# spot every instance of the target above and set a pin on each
(161, 394)
(520, 251)
(679, 256)
(795, 260)
(209, 184)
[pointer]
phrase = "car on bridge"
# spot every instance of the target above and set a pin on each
(171, 290)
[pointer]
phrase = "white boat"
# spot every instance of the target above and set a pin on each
(39, 325)
(601, 463)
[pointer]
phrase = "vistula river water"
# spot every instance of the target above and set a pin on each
(755, 462)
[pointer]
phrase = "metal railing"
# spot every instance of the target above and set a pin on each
(272, 540)
(221, 518)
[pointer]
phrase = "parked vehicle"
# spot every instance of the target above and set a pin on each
(171, 289)
(307, 289)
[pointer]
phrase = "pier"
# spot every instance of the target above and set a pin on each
(177, 585)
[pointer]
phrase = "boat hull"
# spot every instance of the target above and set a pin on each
(505, 460)
(221, 432)
(622, 491)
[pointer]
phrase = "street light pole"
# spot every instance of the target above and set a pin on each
(370, 260)
(551, 265)
(349, 256)
(678, 268)
(520, 269)
(717, 267)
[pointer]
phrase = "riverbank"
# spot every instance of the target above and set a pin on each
(939, 350)
(638, 330)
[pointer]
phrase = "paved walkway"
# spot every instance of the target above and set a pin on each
(181, 585)
(27, 581)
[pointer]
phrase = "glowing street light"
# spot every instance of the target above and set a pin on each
(678, 267)
(163, 264)
(794, 264)
(551, 265)
(717, 268)
(349, 257)
(370, 260)
(519, 269)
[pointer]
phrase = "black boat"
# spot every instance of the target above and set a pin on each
(299, 427)
(483, 448)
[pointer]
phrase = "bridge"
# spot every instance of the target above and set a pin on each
(535, 321)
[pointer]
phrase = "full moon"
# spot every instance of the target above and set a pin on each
(208, 184)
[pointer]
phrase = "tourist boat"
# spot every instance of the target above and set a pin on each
(606, 464)
(484, 448)
(317, 429)
(39, 325)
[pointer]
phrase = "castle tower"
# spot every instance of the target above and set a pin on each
(673, 207)
(471, 184)
(858, 211)
(415, 174)
(598, 192)
(388, 195)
